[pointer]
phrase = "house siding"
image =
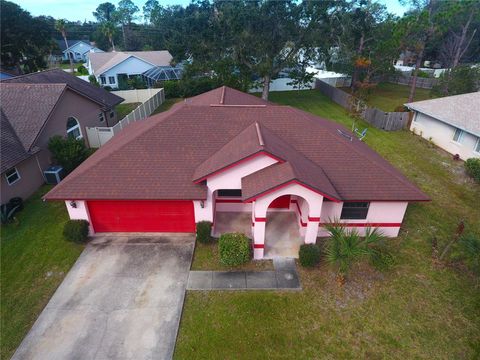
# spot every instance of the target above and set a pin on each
(441, 134)
(30, 180)
(130, 66)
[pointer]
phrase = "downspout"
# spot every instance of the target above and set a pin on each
(40, 168)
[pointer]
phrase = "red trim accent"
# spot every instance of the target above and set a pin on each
(286, 184)
(302, 224)
(313, 218)
(282, 202)
(258, 246)
(261, 152)
(366, 224)
(229, 201)
(260, 219)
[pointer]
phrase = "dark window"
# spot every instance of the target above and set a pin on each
(112, 114)
(111, 79)
(354, 210)
(230, 193)
(12, 176)
(103, 81)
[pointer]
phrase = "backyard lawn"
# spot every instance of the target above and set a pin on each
(125, 109)
(34, 261)
(387, 96)
(416, 310)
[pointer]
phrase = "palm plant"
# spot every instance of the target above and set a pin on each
(346, 247)
(61, 26)
(109, 30)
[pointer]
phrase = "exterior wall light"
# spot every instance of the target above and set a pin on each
(202, 204)
(73, 204)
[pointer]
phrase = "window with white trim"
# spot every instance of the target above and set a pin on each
(73, 128)
(12, 176)
(111, 79)
(458, 135)
(354, 210)
(101, 117)
(103, 80)
(477, 146)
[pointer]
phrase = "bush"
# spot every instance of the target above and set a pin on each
(423, 74)
(204, 229)
(82, 70)
(93, 80)
(309, 255)
(473, 168)
(76, 230)
(67, 152)
(234, 249)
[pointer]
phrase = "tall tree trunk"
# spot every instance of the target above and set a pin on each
(68, 54)
(459, 52)
(113, 44)
(355, 67)
(418, 63)
(124, 38)
(266, 87)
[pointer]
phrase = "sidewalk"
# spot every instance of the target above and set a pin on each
(284, 277)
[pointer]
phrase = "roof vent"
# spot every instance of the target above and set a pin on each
(345, 135)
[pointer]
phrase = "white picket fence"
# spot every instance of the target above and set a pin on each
(98, 136)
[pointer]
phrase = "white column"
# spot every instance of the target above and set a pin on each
(259, 218)
(312, 231)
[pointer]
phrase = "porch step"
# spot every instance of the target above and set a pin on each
(284, 264)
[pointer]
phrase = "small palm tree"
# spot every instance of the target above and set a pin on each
(109, 30)
(345, 247)
(61, 26)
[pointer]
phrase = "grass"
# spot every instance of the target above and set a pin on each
(75, 67)
(417, 310)
(125, 109)
(388, 97)
(34, 261)
(207, 257)
(167, 104)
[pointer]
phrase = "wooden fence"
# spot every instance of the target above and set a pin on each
(424, 83)
(389, 121)
(98, 136)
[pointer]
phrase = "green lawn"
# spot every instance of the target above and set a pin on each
(34, 261)
(125, 109)
(414, 311)
(167, 104)
(387, 96)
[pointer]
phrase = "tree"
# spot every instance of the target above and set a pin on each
(126, 14)
(105, 12)
(149, 8)
(60, 25)
(109, 30)
(459, 80)
(25, 40)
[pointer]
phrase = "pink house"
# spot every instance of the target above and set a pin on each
(237, 161)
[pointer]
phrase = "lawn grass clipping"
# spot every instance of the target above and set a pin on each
(34, 260)
(416, 310)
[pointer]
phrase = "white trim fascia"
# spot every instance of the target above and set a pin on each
(136, 57)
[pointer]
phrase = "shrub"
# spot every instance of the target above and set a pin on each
(472, 166)
(234, 249)
(76, 230)
(423, 74)
(204, 229)
(67, 152)
(309, 255)
(82, 70)
(93, 80)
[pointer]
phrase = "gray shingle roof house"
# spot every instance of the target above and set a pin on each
(35, 107)
(77, 49)
(452, 123)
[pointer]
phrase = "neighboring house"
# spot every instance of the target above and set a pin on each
(35, 107)
(452, 123)
(8, 73)
(77, 50)
(227, 151)
(111, 67)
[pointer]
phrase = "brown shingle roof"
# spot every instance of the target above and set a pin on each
(58, 76)
(28, 106)
(157, 158)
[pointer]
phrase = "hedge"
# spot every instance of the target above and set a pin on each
(309, 255)
(472, 166)
(204, 229)
(234, 249)
(76, 230)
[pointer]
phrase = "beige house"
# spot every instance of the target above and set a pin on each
(452, 123)
(35, 107)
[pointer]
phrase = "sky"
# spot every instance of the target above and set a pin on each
(75, 10)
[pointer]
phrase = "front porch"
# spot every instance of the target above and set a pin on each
(282, 232)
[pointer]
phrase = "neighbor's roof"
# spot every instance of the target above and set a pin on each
(58, 76)
(160, 158)
(28, 106)
(61, 43)
(461, 111)
(101, 62)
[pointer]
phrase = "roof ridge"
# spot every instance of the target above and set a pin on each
(29, 74)
(401, 178)
(259, 134)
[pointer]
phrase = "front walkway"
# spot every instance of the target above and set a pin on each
(122, 299)
(284, 277)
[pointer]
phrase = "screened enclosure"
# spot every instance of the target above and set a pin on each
(162, 73)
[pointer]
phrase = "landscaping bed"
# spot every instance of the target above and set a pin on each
(34, 261)
(417, 309)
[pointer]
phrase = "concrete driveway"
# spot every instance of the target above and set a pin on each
(122, 299)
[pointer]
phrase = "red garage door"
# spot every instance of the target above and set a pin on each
(142, 216)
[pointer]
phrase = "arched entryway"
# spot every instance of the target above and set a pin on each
(285, 226)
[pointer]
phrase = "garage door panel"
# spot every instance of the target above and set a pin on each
(142, 216)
